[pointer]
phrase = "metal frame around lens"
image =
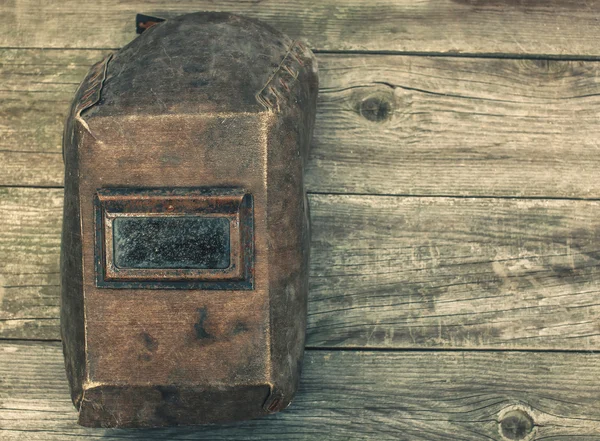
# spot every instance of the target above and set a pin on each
(233, 204)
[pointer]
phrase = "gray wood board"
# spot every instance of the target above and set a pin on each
(394, 272)
(385, 124)
(430, 396)
(550, 27)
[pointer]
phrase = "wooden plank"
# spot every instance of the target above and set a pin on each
(37, 88)
(395, 272)
(441, 126)
(385, 124)
(551, 27)
(431, 396)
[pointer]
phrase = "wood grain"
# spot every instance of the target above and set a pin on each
(391, 272)
(385, 125)
(394, 272)
(532, 27)
(430, 396)
(36, 91)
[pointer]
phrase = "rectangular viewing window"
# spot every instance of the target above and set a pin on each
(174, 238)
(177, 242)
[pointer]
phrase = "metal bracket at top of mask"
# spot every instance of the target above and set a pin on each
(144, 22)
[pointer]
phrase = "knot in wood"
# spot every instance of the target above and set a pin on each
(516, 425)
(376, 108)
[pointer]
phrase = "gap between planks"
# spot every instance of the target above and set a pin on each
(508, 56)
(370, 349)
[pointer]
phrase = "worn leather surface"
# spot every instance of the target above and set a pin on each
(206, 100)
(196, 63)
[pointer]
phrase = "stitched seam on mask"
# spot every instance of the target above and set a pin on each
(272, 86)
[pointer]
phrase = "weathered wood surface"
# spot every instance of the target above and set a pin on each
(36, 90)
(385, 124)
(392, 272)
(400, 270)
(530, 27)
(429, 396)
